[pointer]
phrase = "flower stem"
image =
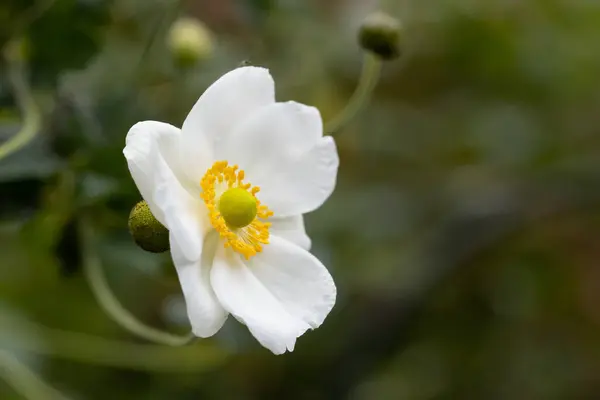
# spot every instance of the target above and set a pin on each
(24, 99)
(26, 336)
(24, 381)
(368, 80)
(166, 17)
(111, 305)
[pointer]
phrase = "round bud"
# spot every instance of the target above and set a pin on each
(147, 232)
(190, 41)
(380, 34)
(17, 49)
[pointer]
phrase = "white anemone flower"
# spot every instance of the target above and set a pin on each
(231, 186)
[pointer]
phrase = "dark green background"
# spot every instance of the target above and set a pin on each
(463, 235)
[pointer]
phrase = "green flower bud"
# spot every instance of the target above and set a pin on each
(380, 34)
(17, 49)
(190, 41)
(147, 232)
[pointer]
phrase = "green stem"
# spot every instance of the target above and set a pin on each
(95, 350)
(24, 381)
(368, 80)
(111, 305)
(165, 18)
(31, 114)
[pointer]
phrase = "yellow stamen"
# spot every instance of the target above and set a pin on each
(234, 211)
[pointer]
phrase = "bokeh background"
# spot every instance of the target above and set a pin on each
(463, 235)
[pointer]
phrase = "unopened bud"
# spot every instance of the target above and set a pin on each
(380, 34)
(190, 41)
(17, 49)
(147, 232)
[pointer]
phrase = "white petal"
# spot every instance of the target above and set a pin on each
(205, 313)
(226, 103)
(291, 229)
(297, 279)
(150, 151)
(278, 294)
(282, 150)
(148, 146)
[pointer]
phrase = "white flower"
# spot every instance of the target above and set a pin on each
(239, 249)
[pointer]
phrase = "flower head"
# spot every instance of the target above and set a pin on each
(231, 187)
(380, 34)
(190, 41)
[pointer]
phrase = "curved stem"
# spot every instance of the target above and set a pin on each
(24, 381)
(111, 305)
(26, 336)
(31, 114)
(368, 80)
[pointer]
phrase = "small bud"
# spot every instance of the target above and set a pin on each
(190, 41)
(17, 50)
(380, 34)
(147, 232)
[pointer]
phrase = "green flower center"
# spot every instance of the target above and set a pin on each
(238, 207)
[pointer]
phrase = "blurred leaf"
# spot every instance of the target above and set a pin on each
(78, 23)
(33, 161)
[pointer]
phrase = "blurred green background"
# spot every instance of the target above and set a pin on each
(463, 235)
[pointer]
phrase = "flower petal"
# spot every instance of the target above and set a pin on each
(291, 229)
(150, 151)
(278, 294)
(282, 149)
(148, 146)
(205, 313)
(227, 102)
